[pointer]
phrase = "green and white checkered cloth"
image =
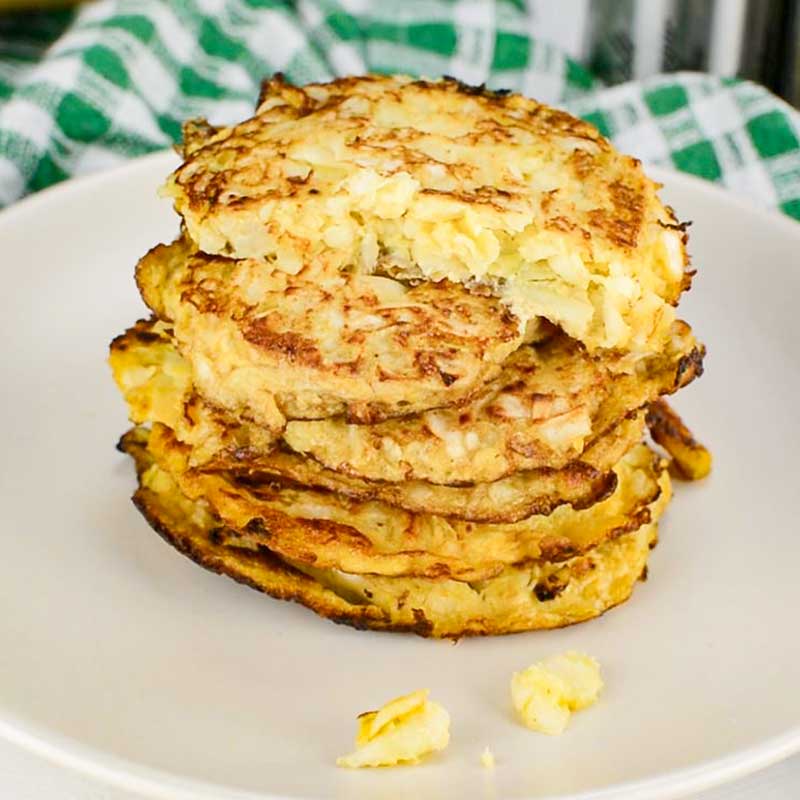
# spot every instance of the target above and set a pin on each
(81, 91)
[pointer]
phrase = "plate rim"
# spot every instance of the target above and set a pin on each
(132, 776)
(137, 778)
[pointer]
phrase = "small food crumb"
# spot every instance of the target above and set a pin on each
(487, 759)
(546, 693)
(402, 732)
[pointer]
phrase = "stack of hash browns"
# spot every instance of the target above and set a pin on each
(403, 355)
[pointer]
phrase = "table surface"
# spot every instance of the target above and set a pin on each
(27, 777)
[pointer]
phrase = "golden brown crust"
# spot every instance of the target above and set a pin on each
(186, 527)
(437, 180)
(552, 405)
(155, 384)
(691, 459)
(361, 345)
(547, 596)
(195, 134)
(325, 530)
(507, 500)
(501, 117)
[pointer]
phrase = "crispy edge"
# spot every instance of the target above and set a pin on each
(270, 575)
(608, 418)
(262, 571)
(691, 460)
(308, 541)
(621, 224)
(584, 486)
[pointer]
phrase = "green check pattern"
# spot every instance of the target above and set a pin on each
(82, 91)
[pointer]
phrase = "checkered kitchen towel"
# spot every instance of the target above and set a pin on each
(80, 91)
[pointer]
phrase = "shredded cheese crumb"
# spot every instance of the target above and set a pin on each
(402, 732)
(546, 693)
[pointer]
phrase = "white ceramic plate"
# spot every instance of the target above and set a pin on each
(121, 658)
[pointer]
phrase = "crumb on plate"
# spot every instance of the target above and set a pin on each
(401, 732)
(547, 692)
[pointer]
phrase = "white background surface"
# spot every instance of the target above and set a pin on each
(27, 777)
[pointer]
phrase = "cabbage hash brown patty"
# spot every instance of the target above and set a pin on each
(311, 345)
(323, 529)
(552, 405)
(438, 181)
